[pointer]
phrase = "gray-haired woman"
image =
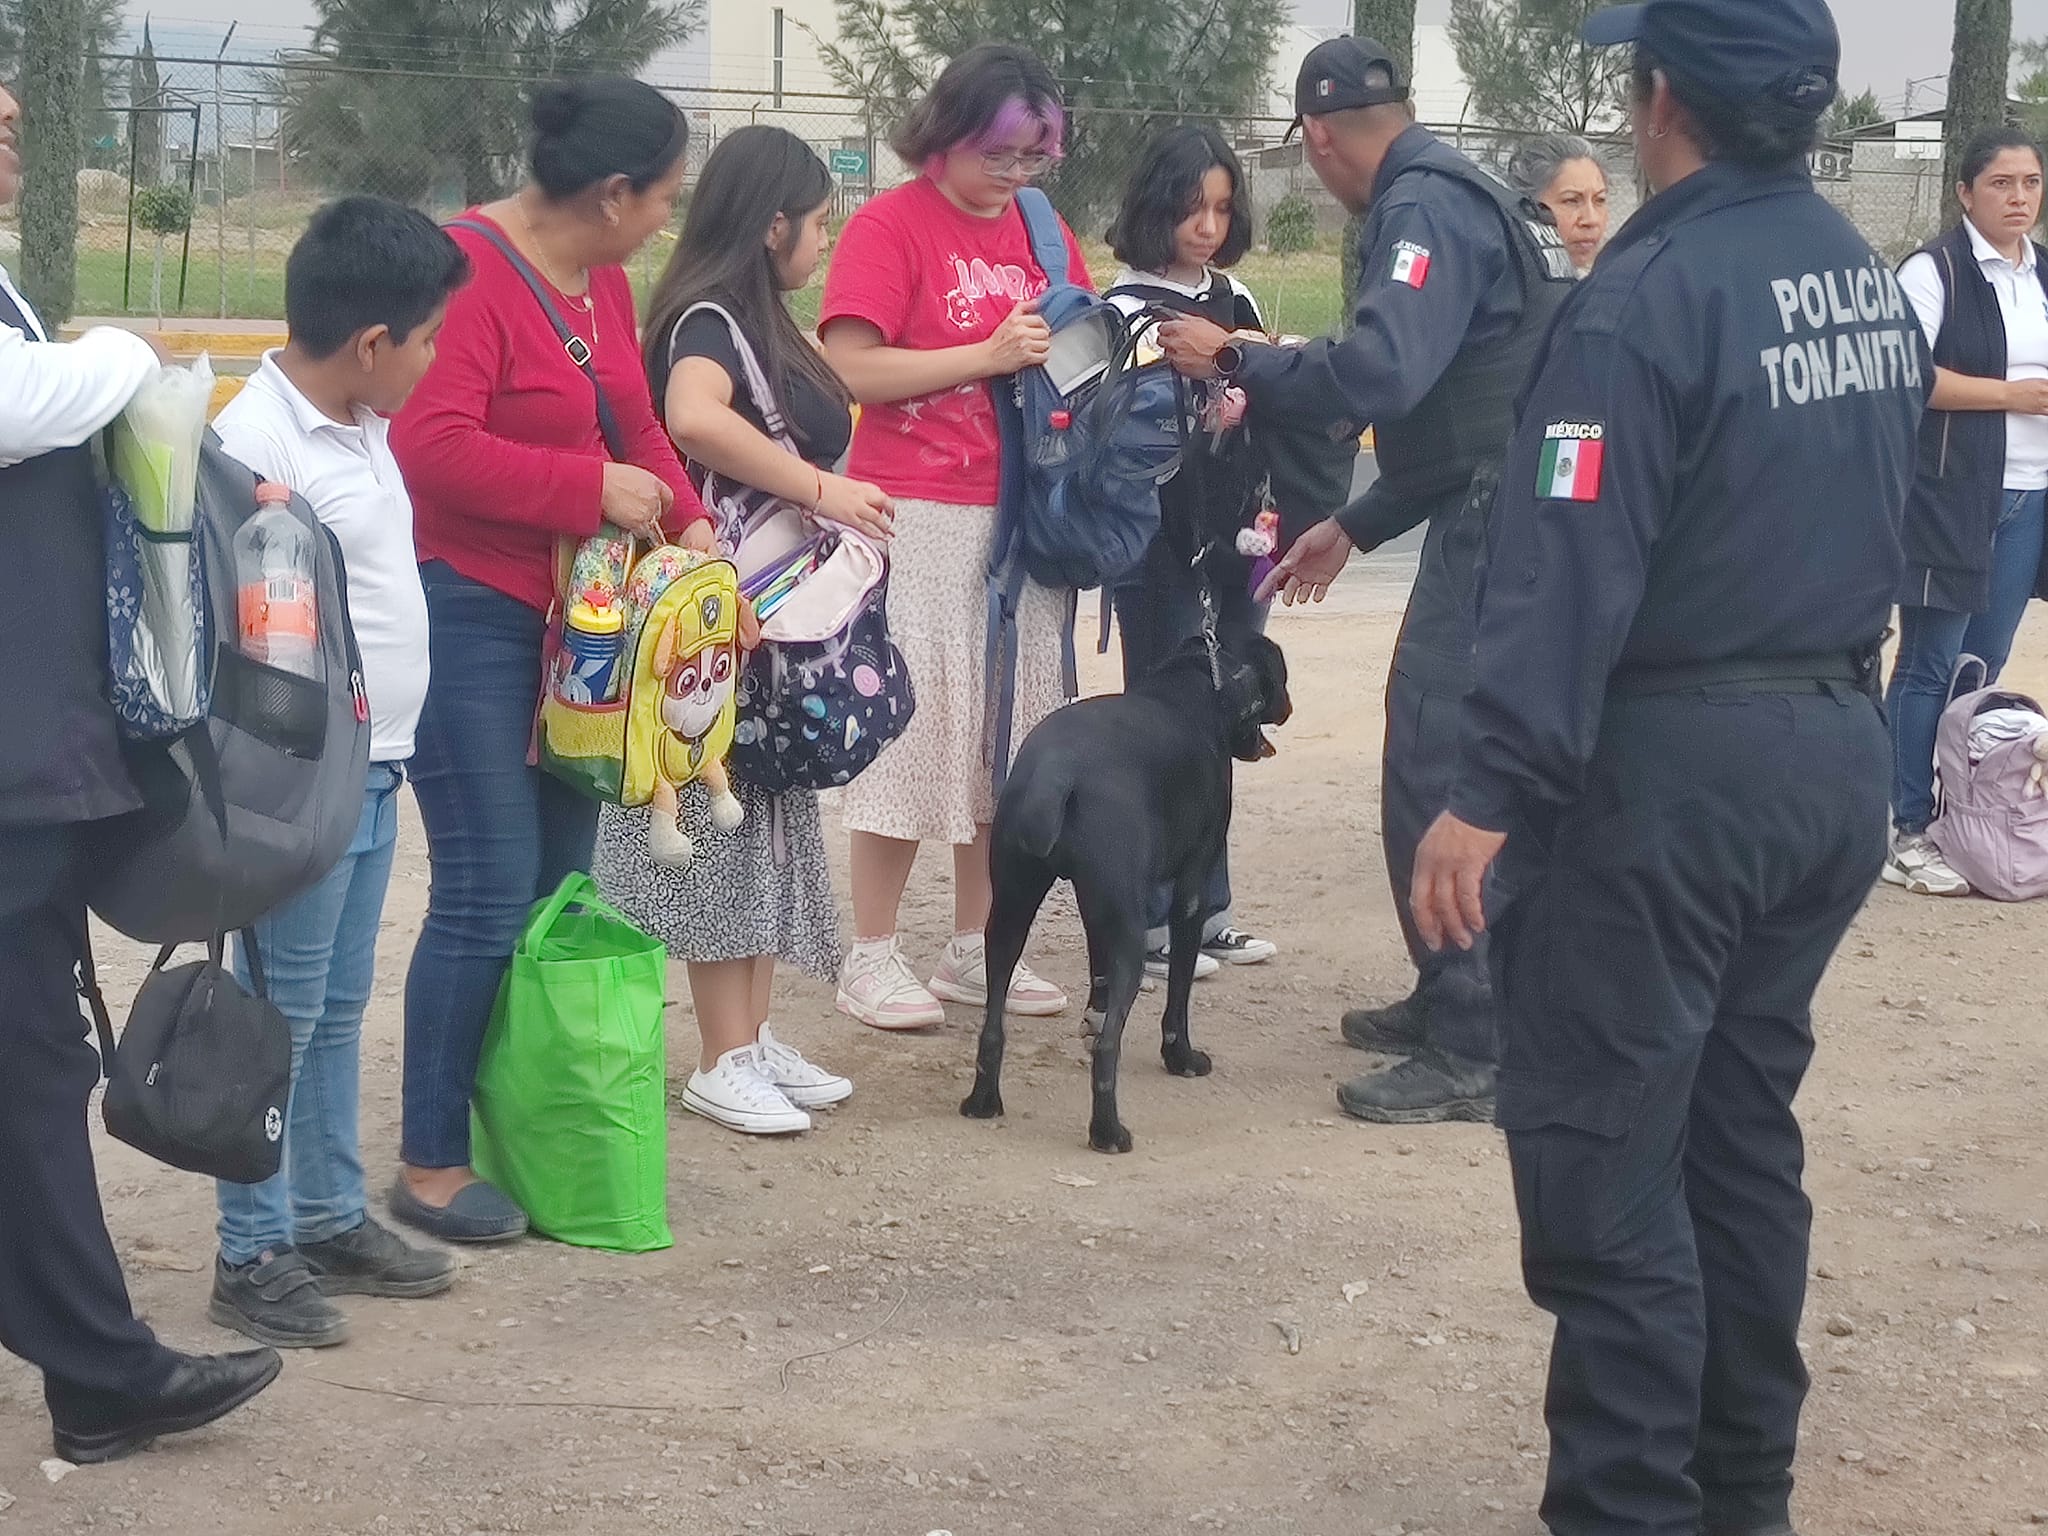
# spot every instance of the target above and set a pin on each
(1563, 172)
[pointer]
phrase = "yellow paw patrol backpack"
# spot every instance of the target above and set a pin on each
(640, 690)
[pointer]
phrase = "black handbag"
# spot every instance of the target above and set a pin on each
(201, 1078)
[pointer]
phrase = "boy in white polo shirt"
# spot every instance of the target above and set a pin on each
(366, 290)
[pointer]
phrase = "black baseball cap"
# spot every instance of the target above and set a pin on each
(1776, 57)
(1337, 77)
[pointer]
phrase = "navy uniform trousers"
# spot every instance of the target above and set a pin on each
(63, 1304)
(1656, 974)
(1420, 755)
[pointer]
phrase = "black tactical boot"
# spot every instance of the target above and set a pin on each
(1423, 1090)
(1396, 1029)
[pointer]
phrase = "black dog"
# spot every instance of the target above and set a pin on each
(1119, 794)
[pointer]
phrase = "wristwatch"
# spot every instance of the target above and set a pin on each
(1229, 358)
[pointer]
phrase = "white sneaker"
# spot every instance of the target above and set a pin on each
(1233, 946)
(804, 1083)
(1916, 865)
(879, 989)
(1157, 963)
(962, 977)
(736, 1095)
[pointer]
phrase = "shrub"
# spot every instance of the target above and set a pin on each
(163, 210)
(1291, 226)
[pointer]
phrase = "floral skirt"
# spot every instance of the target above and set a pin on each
(935, 782)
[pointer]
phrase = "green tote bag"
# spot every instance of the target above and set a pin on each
(570, 1115)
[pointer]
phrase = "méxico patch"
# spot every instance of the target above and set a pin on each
(1411, 264)
(1574, 453)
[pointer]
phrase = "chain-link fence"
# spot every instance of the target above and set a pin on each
(202, 180)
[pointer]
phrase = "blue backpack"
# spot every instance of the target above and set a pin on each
(1086, 440)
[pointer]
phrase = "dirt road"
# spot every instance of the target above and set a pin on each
(1265, 1320)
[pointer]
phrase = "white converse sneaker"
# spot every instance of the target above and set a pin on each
(1158, 963)
(1916, 865)
(879, 989)
(1233, 946)
(804, 1083)
(962, 978)
(737, 1096)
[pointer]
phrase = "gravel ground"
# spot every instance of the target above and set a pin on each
(1267, 1320)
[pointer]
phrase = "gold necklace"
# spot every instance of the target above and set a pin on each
(586, 300)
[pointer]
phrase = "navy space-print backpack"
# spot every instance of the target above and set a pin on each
(826, 689)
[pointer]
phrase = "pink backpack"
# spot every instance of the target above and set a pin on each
(1992, 821)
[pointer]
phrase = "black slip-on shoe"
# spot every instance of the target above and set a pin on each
(479, 1213)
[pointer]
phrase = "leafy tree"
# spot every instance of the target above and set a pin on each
(1851, 114)
(1527, 67)
(104, 21)
(1125, 67)
(52, 43)
(2031, 91)
(163, 212)
(1978, 70)
(434, 89)
(1390, 23)
(146, 127)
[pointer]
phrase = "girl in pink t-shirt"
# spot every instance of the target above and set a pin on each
(928, 298)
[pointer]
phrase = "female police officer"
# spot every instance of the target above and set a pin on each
(1690, 565)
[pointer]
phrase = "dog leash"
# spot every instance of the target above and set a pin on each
(1207, 589)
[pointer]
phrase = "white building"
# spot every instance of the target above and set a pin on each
(1439, 84)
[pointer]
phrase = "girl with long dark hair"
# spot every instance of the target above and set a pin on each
(1186, 219)
(762, 892)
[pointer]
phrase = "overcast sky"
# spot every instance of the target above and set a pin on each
(1884, 42)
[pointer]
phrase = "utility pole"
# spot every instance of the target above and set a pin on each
(53, 46)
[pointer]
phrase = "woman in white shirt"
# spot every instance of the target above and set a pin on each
(1974, 523)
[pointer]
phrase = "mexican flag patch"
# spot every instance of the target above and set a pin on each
(1573, 453)
(1411, 264)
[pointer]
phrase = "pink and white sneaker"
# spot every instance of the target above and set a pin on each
(878, 988)
(962, 978)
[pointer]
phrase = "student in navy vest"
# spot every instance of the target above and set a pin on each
(1974, 525)
(111, 1387)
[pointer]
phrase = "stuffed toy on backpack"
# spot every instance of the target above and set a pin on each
(662, 714)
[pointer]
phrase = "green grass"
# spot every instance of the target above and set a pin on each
(1298, 294)
(252, 295)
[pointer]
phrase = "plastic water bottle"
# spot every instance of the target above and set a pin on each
(277, 605)
(1051, 448)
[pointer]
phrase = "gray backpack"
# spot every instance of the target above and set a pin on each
(259, 799)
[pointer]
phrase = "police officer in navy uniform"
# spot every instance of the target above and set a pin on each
(1674, 732)
(1459, 277)
(110, 1385)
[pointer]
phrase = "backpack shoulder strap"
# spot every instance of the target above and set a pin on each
(577, 348)
(750, 365)
(1048, 237)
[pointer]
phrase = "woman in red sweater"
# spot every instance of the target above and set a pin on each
(504, 456)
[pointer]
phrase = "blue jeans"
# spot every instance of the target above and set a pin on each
(500, 835)
(1156, 614)
(1932, 639)
(319, 957)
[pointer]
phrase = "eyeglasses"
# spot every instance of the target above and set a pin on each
(1005, 161)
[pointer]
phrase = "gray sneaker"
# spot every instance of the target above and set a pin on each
(275, 1300)
(373, 1260)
